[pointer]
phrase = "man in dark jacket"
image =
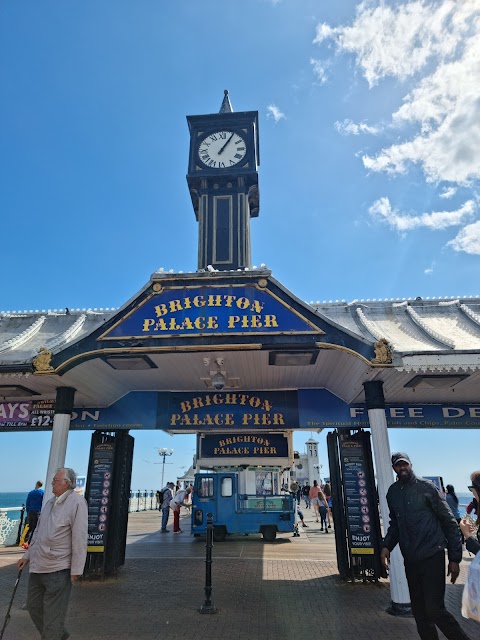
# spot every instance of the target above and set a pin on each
(422, 523)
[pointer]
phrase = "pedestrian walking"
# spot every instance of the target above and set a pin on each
(323, 510)
(327, 491)
(313, 495)
(471, 592)
(306, 492)
(56, 556)
(472, 542)
(423, 525)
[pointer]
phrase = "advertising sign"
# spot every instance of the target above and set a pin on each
(34, 413)
(358, 496)
(99, 492)
(241, 445)
(232, 310)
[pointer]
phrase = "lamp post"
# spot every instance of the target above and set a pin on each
(163, 453)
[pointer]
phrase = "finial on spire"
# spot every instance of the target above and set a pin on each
(226, 104)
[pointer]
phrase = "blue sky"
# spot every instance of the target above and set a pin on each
(369, 175)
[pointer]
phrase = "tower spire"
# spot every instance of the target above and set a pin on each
(226, 104)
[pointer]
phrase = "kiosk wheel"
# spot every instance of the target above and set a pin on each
(269, 534)
(219, 533)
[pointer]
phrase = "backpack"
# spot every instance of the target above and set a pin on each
(160, 497)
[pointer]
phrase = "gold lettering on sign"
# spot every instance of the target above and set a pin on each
(249, 314)
(189, 415)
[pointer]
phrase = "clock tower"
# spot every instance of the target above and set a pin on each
(223, 182)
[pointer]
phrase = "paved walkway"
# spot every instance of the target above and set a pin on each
(279, 591)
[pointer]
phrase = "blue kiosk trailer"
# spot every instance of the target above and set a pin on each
(235, 511)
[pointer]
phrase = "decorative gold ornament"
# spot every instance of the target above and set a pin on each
(383, 352)
(262, 283)
(157, 287)
(42, 361)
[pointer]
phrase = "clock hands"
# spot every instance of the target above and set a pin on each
(226, 143)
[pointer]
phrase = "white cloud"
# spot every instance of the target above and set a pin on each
(428, 271)
(324, 31)
(348, 127)
(398, 41)
(319, 69)
(448, 192)
(468, 239)
(436, 44)
(274, 112)
(382, 210)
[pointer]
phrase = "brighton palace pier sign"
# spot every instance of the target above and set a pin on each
(228, 310)
(238, 411)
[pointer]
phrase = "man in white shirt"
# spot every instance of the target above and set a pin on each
(176, 503)
(56, 556)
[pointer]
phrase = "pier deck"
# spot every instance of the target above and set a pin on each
(279, 591)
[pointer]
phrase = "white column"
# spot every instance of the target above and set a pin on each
(58, 444)
(400, 604)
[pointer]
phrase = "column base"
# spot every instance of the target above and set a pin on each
(401, 610)
(207, 608)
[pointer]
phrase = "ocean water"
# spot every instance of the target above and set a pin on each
(463, 500)
(12, 499)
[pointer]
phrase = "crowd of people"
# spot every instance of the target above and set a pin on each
(319, 498)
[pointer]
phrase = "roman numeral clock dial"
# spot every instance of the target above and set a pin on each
(222, 149)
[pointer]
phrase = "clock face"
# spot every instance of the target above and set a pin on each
(222, 149)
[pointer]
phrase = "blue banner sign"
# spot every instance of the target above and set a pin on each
(244, 445)
(234, 310)
(308, 409)
(320, 409)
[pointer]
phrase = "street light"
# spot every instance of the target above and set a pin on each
(163, 453)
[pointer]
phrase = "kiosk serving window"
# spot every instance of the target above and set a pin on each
(227, 488)
(205, 487)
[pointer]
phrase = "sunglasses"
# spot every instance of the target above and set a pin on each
(474, 486)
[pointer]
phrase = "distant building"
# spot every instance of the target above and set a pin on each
(188, 477)
(307, 467)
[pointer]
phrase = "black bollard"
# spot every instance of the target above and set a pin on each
(208, 606)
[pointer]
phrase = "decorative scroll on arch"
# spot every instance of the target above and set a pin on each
(42, 362)
(383, 352)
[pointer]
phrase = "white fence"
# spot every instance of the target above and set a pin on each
(10, 519)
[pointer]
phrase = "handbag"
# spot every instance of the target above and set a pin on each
(471, 591)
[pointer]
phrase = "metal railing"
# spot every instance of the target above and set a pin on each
(11, 526)
(12, 519)
(145, 500)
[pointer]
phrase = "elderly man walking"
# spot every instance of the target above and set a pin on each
(56, 556)
(422, 523)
